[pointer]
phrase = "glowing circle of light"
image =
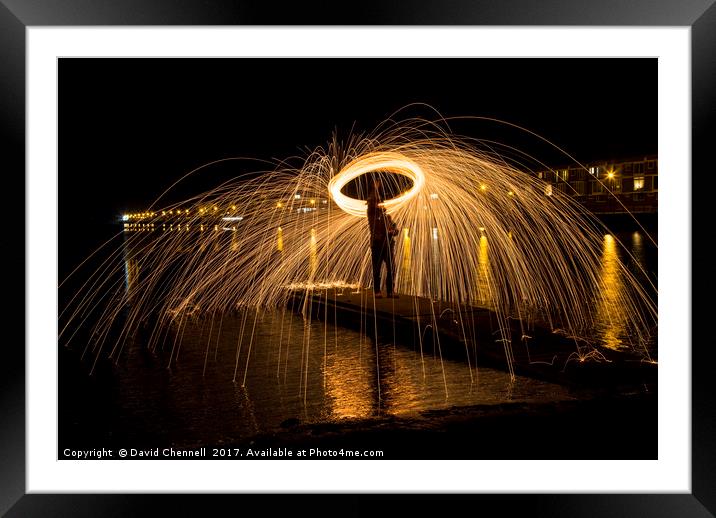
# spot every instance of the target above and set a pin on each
(388, 161)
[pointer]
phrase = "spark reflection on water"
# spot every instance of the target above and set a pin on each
(316, 372)
(291, 375)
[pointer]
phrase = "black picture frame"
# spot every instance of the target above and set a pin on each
(699, 15)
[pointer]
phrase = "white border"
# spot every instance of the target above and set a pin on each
(671, 473)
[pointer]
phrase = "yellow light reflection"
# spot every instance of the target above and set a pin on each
(484, 295)
(611, 319)
(348, 384)
(314, 256)
(131, 274)
(406, 263)
(399, 387)
(637, 248)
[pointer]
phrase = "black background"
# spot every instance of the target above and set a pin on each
(130, 127)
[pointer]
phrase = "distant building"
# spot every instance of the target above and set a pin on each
(608, 187)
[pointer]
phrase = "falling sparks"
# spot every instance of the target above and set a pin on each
(545, 251)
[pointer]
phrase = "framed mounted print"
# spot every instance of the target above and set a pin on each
(362, 259)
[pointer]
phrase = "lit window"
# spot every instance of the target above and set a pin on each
(594, 170)
(561, 175)
(638, 183)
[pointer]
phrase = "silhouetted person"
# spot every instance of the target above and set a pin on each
(382, 231)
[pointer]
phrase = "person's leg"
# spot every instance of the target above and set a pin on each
(375, 255)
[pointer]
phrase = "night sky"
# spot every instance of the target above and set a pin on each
(129, 127)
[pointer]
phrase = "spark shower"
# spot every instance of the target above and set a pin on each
(253, 242)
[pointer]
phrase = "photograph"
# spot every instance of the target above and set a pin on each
(422, 244)
(351, 258)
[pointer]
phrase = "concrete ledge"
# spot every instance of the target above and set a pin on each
(472, 334)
